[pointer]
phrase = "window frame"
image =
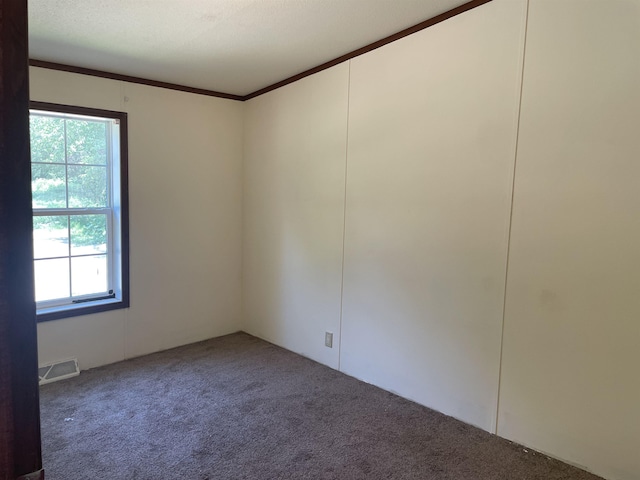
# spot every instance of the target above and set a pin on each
(103, 305)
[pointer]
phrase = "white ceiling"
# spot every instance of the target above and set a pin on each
(231, 46)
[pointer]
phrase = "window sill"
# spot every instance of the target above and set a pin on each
(66, 311)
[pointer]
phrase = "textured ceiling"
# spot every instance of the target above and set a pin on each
(231, 46)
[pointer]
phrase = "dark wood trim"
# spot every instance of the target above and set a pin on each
(182, 88)
(128, 78)
(372, 46)
(20, 450)
(124, 207)
(77, 312)
(76, 110)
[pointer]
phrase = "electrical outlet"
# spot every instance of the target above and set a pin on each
(328, 339)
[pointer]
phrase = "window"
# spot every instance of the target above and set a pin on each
(80, 210)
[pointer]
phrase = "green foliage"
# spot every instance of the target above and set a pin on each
(87, 186)
(50, 223)
(88, 230)
(86, 142)
(48, 185)
(69, 169)
(47, 139)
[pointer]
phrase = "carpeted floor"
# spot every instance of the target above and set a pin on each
(237, 407)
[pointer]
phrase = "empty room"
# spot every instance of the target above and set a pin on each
(286, 239)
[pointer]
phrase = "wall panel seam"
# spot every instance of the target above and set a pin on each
(513, 181)
(344, 216)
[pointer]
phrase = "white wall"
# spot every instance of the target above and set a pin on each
(295, 150)
(431, 146)
(185, 193)
(432, 128)
(570, 381)
(432, 135)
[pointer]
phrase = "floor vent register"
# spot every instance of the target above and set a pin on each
(58, 371)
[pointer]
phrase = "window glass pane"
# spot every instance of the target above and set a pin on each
(88, 234)
(52, 279)
(74, 175)
(47, 139)
(87, 186)
(86, 142)
(48, 186)
(89, 275)
(50, 236)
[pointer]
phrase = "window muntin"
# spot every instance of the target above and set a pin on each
(79, 210)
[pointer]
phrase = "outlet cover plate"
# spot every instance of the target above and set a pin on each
(328, 339)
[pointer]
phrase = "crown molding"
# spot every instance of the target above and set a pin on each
(212, 93)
